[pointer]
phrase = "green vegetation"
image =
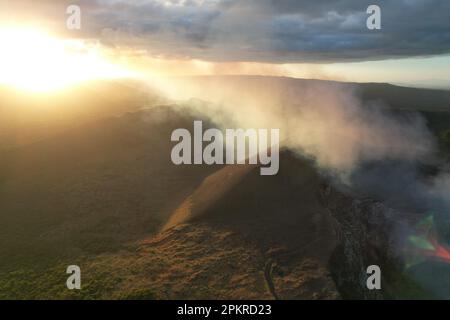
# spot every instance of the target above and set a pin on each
(89, 195)
(439, 124)
(445, 143)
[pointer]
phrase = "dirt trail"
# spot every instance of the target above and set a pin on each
(268, 271)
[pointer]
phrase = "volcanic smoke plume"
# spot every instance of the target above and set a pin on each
(367, 146)
(322, 120)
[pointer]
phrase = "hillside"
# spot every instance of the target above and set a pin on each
(388, 95)
(101, 192)
(93, 197)
(93, 188)
(26, 118)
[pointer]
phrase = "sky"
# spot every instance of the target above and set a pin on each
(298, 38)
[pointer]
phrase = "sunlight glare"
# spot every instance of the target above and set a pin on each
(35, 61)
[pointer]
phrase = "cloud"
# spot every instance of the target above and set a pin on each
(282, 31)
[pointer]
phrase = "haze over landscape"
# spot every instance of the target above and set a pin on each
(86, 176)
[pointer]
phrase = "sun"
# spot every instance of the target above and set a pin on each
(36, 61)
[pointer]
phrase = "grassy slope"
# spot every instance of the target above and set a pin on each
(228, 252)
(94, 189)
(66, 200)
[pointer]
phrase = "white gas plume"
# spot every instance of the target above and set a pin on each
(325, 121)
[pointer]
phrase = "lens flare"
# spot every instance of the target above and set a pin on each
(425, 244)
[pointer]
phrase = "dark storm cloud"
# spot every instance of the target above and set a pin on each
(272, 30)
